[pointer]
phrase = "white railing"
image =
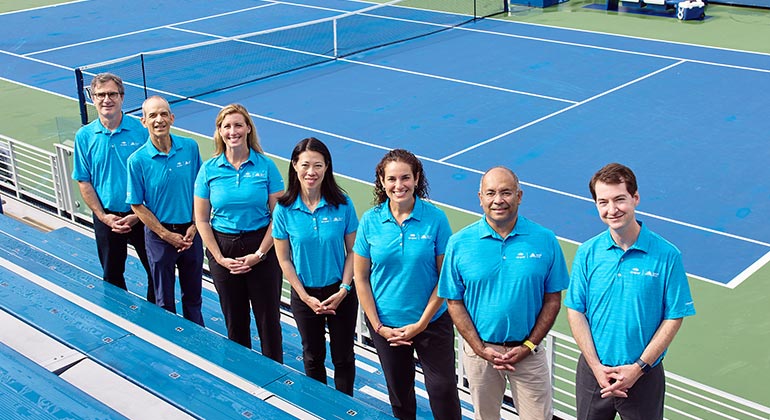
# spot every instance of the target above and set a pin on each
(42, 179)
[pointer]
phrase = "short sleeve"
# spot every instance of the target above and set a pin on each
(450, 285)
(275, 181)
(135, 187)
(351, 218)
(361, 245)
(558, 278)
(279, 222)
(202, 189)
(81, 162)
(578, 283)
(443, 232)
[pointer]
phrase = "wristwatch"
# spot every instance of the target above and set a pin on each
(642, 364)
(261, 255)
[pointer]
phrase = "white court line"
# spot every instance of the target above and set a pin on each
(746, 272)
(145, 30)
(531, 123)
(662, 41)
(450, 79)
(441, 161)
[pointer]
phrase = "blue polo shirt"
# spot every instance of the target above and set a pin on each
(403, 258)
(502, 281)
(239, 197)
(101, 155)
(626, 295)
(317, 238)
(164, 182)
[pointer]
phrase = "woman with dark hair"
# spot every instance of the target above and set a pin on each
(399, 249)
(235, 193)
(314, 227)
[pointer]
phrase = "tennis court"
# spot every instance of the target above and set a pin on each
(553, 104)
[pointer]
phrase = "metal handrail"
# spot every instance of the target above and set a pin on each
(42, 179)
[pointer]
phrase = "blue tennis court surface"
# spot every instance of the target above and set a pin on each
(553, 104)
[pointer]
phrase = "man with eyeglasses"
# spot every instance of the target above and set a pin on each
(102, 149)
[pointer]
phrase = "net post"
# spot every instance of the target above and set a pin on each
(334, 31)
(81, 96)
(144, 76)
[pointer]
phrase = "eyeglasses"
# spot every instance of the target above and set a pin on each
(102, 95)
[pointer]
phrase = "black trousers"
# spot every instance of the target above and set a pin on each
(112, 251)
(436, 352)
(258, 291)
(312, 329)
(644, 402)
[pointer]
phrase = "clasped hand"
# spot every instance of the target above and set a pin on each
(616, 381)
(401, 336)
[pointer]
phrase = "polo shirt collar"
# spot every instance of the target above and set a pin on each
(300, 205)
(100, 128)
(417, 211)
(643, 241)
(175, 146)
(221, 160)
(520, 228)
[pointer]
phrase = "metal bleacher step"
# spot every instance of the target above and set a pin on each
(63, 257)
(28, 390)
(182, 384)
(370, 383)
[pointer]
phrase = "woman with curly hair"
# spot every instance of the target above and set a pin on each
(398, 253)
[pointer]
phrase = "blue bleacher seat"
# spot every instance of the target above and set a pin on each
(28, 391)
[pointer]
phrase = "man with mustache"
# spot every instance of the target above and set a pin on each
(502, 278)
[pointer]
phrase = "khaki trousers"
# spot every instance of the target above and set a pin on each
(531, 387)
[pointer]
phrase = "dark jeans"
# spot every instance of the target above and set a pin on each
(258, 291)
(644, 402)
(112, 251)
(312, 329)
(436, 352)
(164, 259)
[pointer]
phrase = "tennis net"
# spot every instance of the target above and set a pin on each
(198, 69)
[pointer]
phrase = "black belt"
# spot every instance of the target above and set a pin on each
(177, 227)
(118, 213)
(238, 235)
(506, 343)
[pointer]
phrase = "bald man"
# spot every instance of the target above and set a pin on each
(502, 277)
(161, 175)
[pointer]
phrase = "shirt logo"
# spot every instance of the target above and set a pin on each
(254, 174)
(524, 255)
(183, 163)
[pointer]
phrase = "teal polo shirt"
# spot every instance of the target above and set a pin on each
(239, 197)
(317, 238)
(403, 258)
(502, 281)
(625, 295)
(163, 182)
(100, 158)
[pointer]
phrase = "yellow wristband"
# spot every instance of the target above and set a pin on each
(530, 345)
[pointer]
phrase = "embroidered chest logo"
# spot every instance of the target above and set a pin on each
(524, 255)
